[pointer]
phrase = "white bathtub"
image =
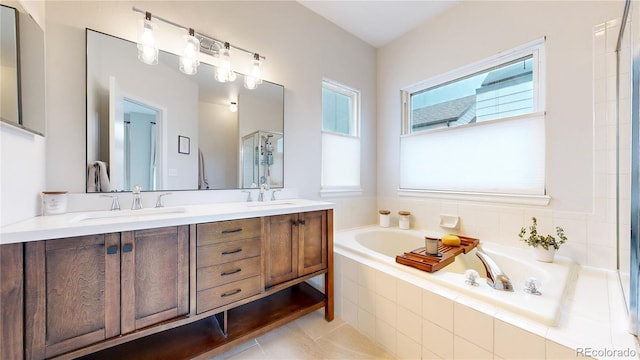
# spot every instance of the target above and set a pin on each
(380, 246)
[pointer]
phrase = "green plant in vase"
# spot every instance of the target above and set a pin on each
(545, 241)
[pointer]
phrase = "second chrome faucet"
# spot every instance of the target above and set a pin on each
(496, 278)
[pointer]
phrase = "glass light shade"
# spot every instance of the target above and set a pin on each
(256, 70)
(254, 78)
(233, 107)
(223, 71)
(147, 49)
(189, 60)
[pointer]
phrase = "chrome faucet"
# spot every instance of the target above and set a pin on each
(273, 194)
(159, 202)
(115, 203)
(137, 198)
(496, 278)
(263, 188)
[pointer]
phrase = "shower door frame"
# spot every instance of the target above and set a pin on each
(634, 273)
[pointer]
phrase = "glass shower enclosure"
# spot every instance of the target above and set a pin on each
(261, 159)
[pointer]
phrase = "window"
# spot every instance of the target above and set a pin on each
(478, 129)
(340, 138)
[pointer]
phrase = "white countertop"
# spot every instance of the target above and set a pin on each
(99, 222)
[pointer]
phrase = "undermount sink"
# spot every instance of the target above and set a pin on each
(271, 203)
(126, 213)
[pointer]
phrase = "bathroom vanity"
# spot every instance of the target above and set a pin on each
(174, 285)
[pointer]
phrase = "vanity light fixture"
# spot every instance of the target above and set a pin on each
(233, 107)
(197, 42)
(147, 49)
(189, 59)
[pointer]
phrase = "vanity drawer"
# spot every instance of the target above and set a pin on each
(221, 231)
(228, 293)
(217, 275)
(227, 252)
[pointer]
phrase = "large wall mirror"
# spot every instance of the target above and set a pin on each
(22, 98)
(155, 126)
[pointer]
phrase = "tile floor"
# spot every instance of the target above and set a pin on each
(309, 337)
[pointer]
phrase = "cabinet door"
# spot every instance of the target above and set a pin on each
(155, 276)
(281, 257)
(12, 295)
(313, 242)
(72, 293)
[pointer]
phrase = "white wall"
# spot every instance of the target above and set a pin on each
(472, 31)
(219, 148)
(296, 42)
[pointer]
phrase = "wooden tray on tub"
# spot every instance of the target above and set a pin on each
(419, 259)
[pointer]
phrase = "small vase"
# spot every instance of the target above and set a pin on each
(544, 255)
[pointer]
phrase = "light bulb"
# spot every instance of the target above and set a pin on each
(233, 107)
(188, 66)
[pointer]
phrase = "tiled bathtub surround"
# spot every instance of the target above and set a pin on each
(413, 318)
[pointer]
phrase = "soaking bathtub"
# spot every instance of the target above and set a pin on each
(379, 246)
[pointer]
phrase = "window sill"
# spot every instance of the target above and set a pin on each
(340, 192)
(537, 200)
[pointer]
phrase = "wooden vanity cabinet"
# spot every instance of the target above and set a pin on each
(296, 246)
(191, 291)
(83, 290)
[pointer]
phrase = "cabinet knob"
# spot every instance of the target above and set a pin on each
(127, 248)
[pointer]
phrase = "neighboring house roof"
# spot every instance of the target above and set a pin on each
(507, 76)
(442, 113)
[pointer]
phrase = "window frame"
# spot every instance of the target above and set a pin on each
(534, 48)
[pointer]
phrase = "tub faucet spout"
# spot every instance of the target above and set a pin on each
(496, 278)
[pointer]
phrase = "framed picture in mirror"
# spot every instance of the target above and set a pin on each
(184, 145)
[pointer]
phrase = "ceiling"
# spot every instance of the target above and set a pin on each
(378, 22)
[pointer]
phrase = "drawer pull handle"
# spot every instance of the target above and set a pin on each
(301, 222)
(231, 252)
(127, 248)
(231, 231)
(112, 250)
(232, 292)
(231, 272)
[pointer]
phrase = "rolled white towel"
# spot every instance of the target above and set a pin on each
(103, 177)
